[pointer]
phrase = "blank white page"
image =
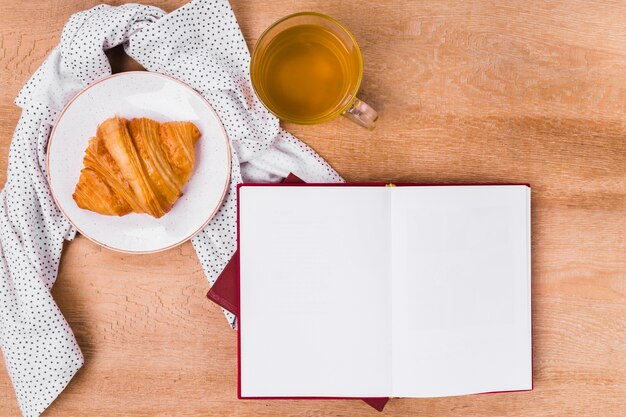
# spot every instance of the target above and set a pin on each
(461, 290)
(315, 291)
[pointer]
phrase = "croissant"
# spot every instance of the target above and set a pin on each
(136, 166)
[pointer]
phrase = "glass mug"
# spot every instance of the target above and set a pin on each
(306, 68)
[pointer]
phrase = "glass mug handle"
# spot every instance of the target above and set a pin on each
(362, 114)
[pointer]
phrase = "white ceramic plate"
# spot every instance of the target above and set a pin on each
(140, 94)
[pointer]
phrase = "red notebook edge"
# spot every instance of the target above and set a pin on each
(377, 184)
(239, 396)
(376, 402)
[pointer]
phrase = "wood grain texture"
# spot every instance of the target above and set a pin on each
(474, 91)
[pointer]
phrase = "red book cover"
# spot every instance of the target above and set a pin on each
(225, 291)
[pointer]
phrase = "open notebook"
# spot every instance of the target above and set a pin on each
(372, 291)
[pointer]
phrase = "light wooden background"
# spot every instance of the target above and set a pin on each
(468, 91)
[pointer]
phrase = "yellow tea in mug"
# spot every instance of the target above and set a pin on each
(306, 73)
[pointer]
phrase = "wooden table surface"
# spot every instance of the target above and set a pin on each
(476, 91)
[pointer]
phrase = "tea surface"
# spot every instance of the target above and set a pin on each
(305, 72)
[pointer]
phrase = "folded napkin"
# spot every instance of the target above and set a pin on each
(200, 44)
(225, 293)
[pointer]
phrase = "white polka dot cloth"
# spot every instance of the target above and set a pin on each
(200, 44)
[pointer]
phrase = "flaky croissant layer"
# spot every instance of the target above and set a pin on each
(136, 166)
